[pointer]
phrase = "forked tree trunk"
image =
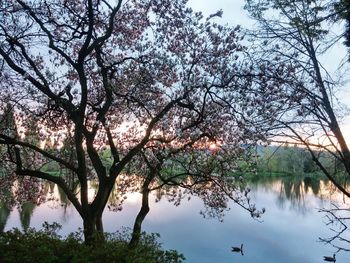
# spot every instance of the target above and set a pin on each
(93, 225)
(93, 228)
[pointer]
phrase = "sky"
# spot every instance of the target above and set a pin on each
(233, 10)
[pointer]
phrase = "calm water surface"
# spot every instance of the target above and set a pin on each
(289, 231)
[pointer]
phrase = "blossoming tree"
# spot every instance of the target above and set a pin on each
(151, 81)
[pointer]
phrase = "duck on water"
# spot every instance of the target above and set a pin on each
(329, 259)
(238, 249)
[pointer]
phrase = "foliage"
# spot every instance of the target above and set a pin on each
(293, 160)
(46, 246)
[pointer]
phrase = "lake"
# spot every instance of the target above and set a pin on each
(289, 231)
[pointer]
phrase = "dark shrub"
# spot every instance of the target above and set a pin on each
(46, 246)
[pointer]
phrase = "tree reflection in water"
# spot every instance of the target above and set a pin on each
(25, 214)
(5, 211)
(295, 189)
(291, 190)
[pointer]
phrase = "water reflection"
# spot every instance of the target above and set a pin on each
(295, 191)
(25, 214)
(4, 215)
(289, 231)
(313, 184)
(290, 192)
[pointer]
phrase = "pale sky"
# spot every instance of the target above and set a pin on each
(233, 10)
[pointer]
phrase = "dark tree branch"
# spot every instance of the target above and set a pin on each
(13, 141)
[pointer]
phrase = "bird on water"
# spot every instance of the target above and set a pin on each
(329, 259)
(238, 249)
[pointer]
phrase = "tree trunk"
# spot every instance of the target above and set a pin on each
(93, 228)
(99, 224)
(136, 233)
(89, 230)
(334, 125)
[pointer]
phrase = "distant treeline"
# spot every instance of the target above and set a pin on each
(294, 160)
(270, 160)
